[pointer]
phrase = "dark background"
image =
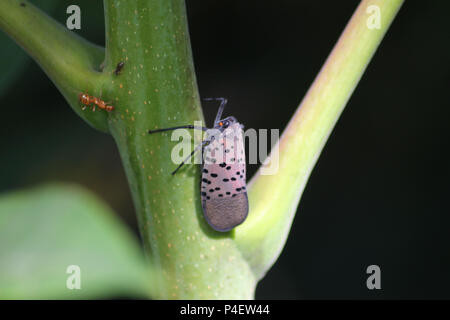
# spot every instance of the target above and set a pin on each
(379, 192)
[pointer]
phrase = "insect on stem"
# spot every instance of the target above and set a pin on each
(223, 181)
(119, 68)
(86, 99)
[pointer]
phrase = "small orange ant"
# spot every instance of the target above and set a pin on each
(87, 100)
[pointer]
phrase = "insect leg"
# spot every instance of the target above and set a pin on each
(223, 103)
(179, 127)
(200, 146)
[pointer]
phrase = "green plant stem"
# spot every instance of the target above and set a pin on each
(263, 236)
(71, 62)
(156, 89)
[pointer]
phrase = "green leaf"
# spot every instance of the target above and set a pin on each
(47, 229)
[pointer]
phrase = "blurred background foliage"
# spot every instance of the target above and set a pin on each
(378, 194)
(45, 230)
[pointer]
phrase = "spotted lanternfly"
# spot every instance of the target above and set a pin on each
(223, 187)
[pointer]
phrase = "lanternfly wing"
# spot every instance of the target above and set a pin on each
(223, 185)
